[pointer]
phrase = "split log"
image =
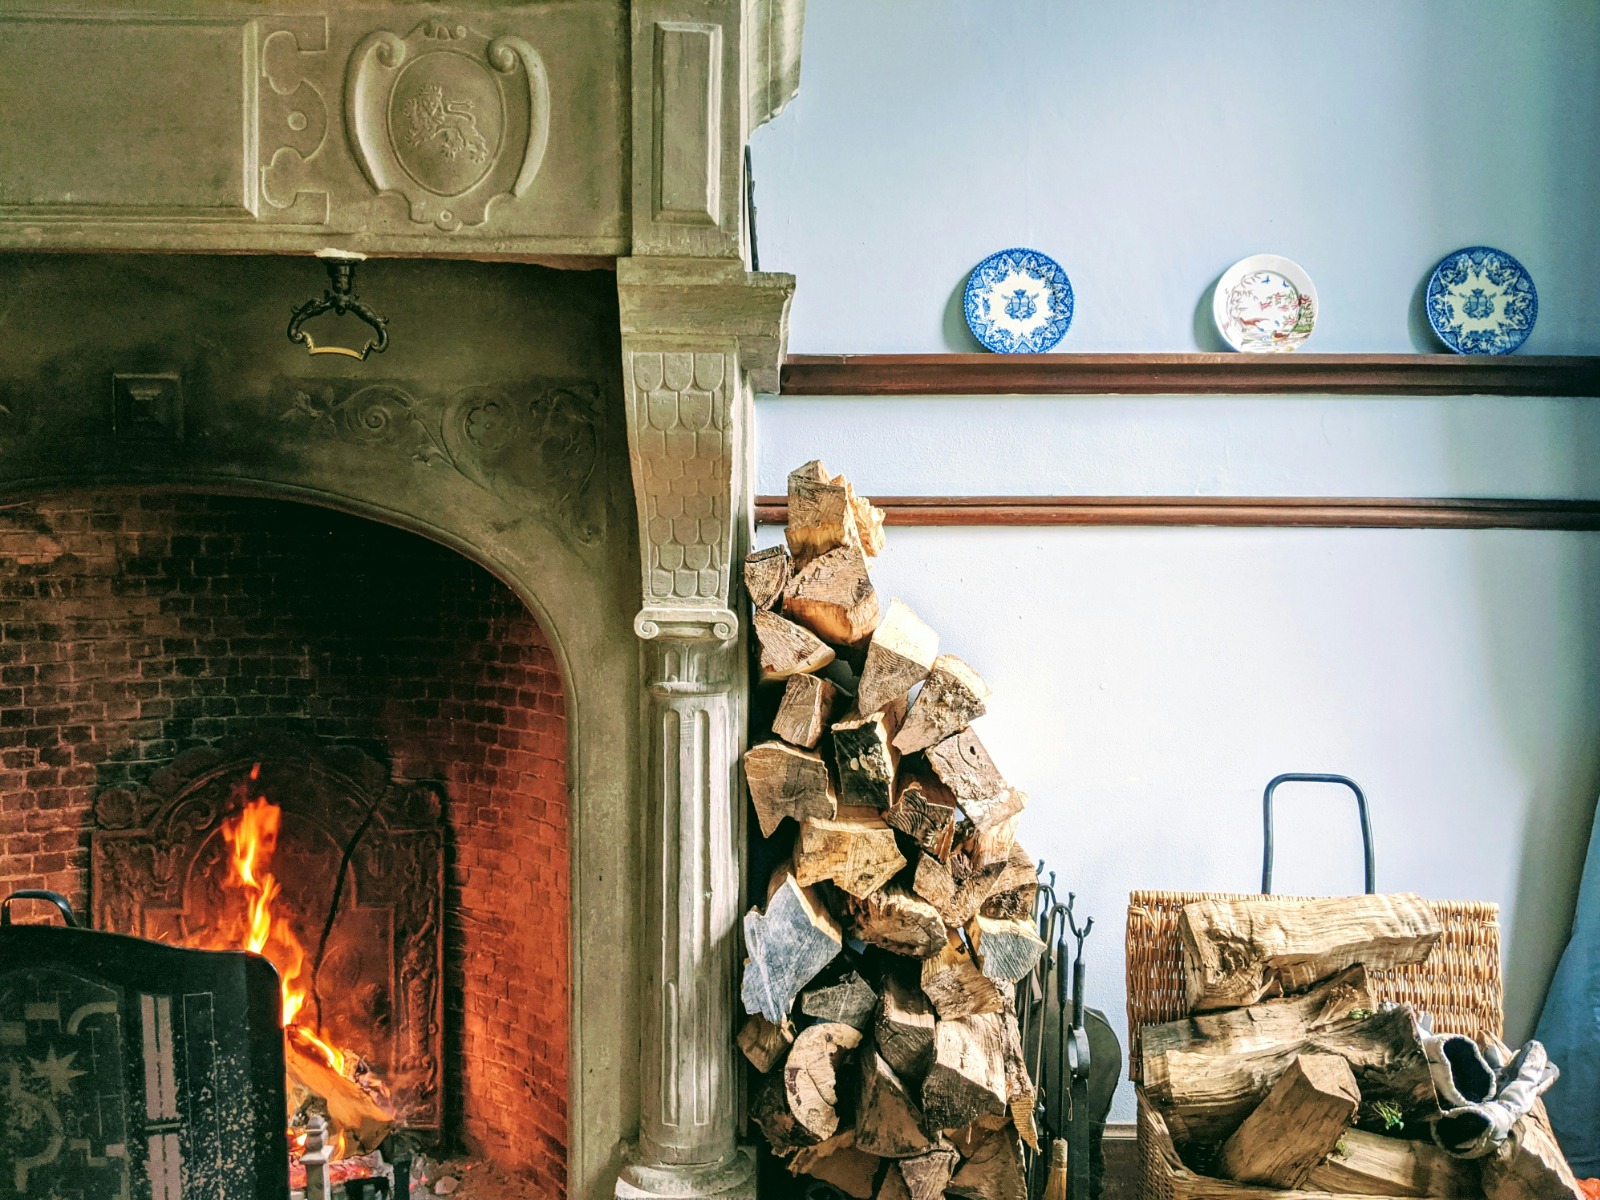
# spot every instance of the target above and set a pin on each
(849, 1170)
(824, 512)
(851, 1000)
(351, 1111)
(957, 901)
(928, 1174)
(764, 1043)
(993, 1172)
(857, 852)
(769, 1109)
(888, 1121)
(1296, 1126)
(1240, 951)
(952, 697)
(919, 814)
(989, 850)
(955, 986)
(865, 759)
(805, 711)
(1206, 1094)
(1021, 1094)
(899, 657)
(786, 649)
(1291, 1022)
(787, 782)
(893, 1186)
(833, 597)
(893, 919)
(1529, 1164)
(1006, 949)
(1016, 891)
(964, 766)
(904, 1030)
(1370, 1164)
(967, 1080)
(811, 1075)
(788, 945)
(765, 574)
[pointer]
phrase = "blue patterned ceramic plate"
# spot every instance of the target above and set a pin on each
(1018, 302)
(1482, 301)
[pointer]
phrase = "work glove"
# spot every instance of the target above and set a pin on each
(1483, 1095)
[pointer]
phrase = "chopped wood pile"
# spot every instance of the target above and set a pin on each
(1288, 1075)
(882, 965)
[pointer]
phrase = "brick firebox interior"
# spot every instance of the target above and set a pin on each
(133, 627)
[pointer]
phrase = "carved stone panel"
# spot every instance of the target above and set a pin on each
(223, 126)
(681, 427)
(449, 118)
(353, 844)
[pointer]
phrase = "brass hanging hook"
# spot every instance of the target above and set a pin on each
(340, 298)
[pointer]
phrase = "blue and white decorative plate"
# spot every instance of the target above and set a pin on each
(1482, 301)
(1018, 302)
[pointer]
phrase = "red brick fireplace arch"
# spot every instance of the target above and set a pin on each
(137, 628)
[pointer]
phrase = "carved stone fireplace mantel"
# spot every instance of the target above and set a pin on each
(615, 500)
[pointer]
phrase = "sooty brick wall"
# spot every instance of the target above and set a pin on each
(135, 626)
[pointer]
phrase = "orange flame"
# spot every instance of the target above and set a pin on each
(252, 837)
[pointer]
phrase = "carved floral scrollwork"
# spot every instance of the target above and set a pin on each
(537, 447)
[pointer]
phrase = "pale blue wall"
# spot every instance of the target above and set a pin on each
(1149, 144)
(1149, 681)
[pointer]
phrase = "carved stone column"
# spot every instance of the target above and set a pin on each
(694, 331)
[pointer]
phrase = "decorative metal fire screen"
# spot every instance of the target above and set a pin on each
(360, 859)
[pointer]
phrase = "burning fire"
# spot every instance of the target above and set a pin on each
(252, 838)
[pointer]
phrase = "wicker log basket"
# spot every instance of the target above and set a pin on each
(1458, 983)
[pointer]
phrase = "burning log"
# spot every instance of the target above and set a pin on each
(351, 1111)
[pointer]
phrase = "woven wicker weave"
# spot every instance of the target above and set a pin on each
(1458, 984)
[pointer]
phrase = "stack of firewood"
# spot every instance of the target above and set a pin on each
(883, 959)
(1289, 1075)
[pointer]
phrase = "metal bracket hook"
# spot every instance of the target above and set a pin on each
(340, 298)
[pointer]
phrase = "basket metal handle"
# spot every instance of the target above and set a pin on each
(1266, 823)
(55, 898)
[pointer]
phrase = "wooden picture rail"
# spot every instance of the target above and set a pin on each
(1247, 512)
(1187, 375)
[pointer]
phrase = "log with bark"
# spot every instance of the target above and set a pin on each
(1205, 1092)
(992, 1172)
(1297, 1126)
(1239, 951)
(899, 656)
(956, 899)
(1371, 1164)
(952, 697)
(1016, 891)
(1007, 948)
(895, 920)
(955, 986)
(928, 1174)
(857, 851)
(806, 710)
(812, 1076)
(786, 781)
(840, 1162)
(788, 945)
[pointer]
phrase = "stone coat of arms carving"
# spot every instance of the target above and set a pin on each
(448, 118)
